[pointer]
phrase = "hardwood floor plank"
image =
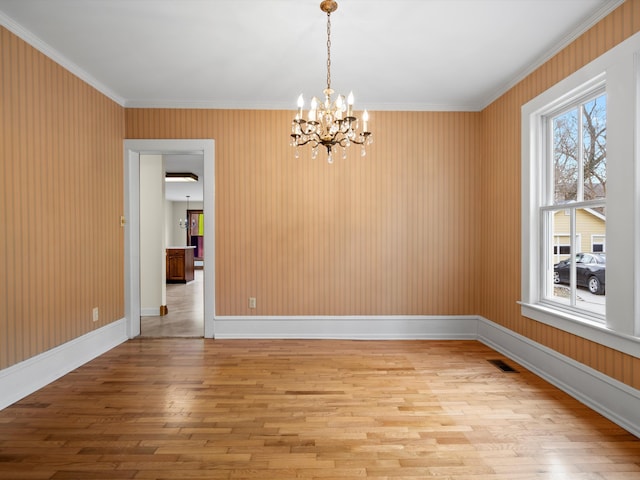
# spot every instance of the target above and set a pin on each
(172, 408)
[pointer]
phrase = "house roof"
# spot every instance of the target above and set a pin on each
(590, 211)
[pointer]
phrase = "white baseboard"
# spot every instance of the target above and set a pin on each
(150, 312)
(613, 399)
(347, 327)
(24, 378)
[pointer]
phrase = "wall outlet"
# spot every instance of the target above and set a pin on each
(252, 302)
(95, 314)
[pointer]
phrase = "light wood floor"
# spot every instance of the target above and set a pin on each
(220, 409)
(186, 311)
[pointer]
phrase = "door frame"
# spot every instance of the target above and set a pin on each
(132, 151)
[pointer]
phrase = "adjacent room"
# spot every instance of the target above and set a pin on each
(318, 239)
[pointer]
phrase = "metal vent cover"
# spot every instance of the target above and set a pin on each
(503, 366)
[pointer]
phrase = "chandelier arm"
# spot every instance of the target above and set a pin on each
(361, 139)
(303, 143)
(314, 140)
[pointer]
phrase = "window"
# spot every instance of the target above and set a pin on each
(580, 215)
(560, 250)
(597, 243)
(573, 202)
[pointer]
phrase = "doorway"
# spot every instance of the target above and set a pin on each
(132, 151)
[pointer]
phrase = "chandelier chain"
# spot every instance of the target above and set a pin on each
(328, 50)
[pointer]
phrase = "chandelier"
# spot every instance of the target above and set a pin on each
(184, 223)
(329, 123)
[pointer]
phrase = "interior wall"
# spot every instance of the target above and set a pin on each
(393, 233)
(168, 224)
(177, 211)
(501, 198)
(61, 197)
(428, 223)
(153, 293)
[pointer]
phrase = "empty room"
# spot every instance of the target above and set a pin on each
(320, 239)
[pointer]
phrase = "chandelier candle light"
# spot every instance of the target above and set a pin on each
(329, 123)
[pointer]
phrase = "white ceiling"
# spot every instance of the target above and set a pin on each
(394, 55)
(191, 163)
(261, 54)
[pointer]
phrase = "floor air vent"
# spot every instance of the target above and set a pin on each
(503, 366)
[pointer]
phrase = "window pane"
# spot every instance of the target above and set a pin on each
(591, 266)
(559, 248)
(565, 156)
(594, 138)
(557, 268)
(577, 280)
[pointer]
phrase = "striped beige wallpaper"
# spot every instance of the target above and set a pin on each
(392, 233)
(501, 198)
(61, 248)
(427, 223)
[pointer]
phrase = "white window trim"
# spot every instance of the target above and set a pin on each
(620, 67)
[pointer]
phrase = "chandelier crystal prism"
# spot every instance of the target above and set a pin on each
(329, 123)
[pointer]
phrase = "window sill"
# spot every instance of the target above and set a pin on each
(582, 327)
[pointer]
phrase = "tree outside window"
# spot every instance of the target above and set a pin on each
(579, 152)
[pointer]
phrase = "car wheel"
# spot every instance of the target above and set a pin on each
(556, 277)
(595, 286)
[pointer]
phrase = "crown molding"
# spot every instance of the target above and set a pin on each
(602, 12)
(231, 105)
(57, 57)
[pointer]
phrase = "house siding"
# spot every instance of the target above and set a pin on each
(588, 226)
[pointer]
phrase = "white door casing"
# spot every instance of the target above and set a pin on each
(132, 151)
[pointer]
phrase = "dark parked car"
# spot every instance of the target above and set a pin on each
(590, 269)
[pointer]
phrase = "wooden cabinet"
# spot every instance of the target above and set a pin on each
(179, 265)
